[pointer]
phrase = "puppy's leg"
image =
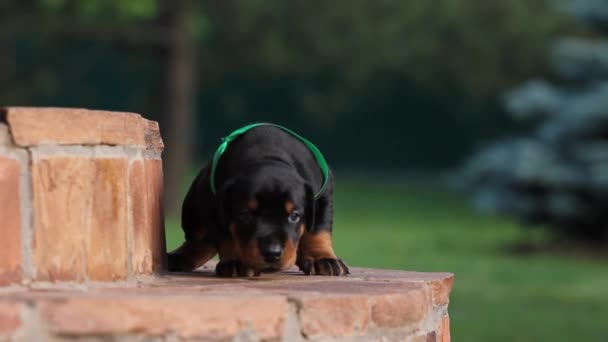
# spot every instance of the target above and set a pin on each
(191, 255)
(230, 265)
(316, 255)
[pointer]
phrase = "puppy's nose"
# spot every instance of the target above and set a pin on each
(272, 252)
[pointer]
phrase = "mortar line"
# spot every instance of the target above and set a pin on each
(130, 220)
(101, 151)
(26, 203)
(87, 220)
(297, 309)
(27, 217)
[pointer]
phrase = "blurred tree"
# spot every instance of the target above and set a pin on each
(163, 29)
(382, 84)
(335, 49)
(180, 60)
(559, 175)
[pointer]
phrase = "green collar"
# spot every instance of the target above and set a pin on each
(227, 140)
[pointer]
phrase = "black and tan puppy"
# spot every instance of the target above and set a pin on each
(263, 204)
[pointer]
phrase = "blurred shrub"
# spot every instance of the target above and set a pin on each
(558, 175)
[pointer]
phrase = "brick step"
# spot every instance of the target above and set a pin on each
(82, 254)
(81, 195)
(376, 305)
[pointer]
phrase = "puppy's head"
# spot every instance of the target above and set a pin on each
(267, 211)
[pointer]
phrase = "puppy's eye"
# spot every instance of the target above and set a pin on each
(294, 217)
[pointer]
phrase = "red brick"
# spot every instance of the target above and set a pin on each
(188, 317)
(10, 227)
(441, 282)
(329, 285)
(10, 318)
(441, 290)
(141, 253)
(443, 332)
(335, 316)
(154, 141)
(154, 212)
(148, 251)
(63, 189)
(401, 309)
(107, 238)
(35, 126)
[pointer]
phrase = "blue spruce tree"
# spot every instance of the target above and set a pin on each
(558, 176)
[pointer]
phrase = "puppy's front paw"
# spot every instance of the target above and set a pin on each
(234, 268)
(323, 267)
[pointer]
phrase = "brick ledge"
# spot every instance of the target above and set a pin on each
(371, 304)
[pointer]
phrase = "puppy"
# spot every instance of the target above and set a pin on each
(263, 204)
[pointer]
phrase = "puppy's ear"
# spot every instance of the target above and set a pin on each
(310, 208)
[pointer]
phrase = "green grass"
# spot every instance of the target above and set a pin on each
(497, 296)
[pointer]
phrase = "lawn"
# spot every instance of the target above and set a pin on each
(497, 296)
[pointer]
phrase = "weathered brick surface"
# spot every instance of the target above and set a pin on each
(441, 290)
(401, 309)
(323, 316)
(203, 307)
(10, 318)
(419, 338)
(154, 212)
(441, 283)
(10, 225)
(407, 276)
(33, 126)
(145, 187)
(63, 189)
(93, 206)
(106, 241)
(97, 213)
(214, 318)
(141, 253)
(5, 137)
(154, 142)
(443, 332)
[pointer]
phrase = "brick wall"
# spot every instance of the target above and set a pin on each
(82, 254)
(370, 305)
(81, 195)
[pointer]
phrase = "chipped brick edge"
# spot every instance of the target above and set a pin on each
(151, 149)
(22, 155)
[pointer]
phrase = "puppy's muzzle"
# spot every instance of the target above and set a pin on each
(272, 251)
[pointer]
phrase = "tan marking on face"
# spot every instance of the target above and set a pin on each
(289, 255)
(290, 250)
(316, 245)
(289, 206)
(301, 230)
(252, 204)
(249, 254)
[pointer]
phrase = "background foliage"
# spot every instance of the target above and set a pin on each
(558, 175)
(395, 93)
(407, 73)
